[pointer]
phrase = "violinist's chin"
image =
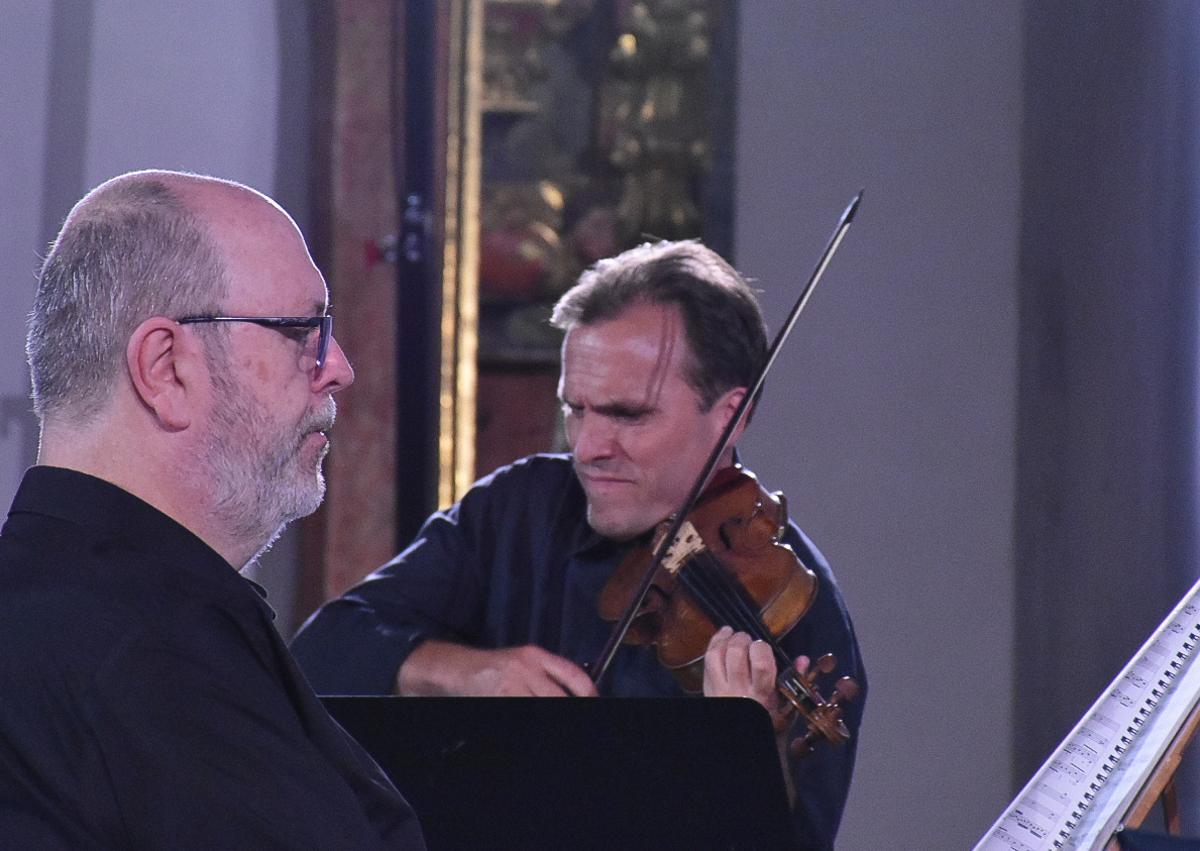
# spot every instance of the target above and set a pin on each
(616, 528)
(614, 512)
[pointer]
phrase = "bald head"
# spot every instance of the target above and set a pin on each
(140, 245)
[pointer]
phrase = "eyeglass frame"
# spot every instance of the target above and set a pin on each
(323, 322)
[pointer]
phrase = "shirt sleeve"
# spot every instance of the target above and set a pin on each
(434, 589)
(202, 749)
(822, 778)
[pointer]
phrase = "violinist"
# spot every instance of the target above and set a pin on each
(498, 594)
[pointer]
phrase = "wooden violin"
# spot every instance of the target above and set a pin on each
(728, 566)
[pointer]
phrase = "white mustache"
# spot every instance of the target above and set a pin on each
(320, 420)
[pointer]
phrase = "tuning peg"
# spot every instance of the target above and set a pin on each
(826, 664)
(803, 746)
(845, 690)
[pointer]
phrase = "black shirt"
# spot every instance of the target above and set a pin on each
(148, 701)
(514, 563)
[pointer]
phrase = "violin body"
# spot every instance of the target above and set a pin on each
(730, 545)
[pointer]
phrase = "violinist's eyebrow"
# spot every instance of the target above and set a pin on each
(623, 410)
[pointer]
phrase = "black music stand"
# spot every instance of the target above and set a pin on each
(579, 772)
(1140, 840)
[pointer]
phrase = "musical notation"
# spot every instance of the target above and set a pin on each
(1083, 790)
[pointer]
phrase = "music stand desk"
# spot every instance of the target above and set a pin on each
(579, 772)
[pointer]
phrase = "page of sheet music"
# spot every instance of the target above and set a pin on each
(1078, 797)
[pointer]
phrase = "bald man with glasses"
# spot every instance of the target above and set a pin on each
(183, 368)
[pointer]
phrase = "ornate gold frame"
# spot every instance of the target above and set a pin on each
(460, 270)
(663, 101)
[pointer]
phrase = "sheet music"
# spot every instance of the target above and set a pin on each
(1077, 799)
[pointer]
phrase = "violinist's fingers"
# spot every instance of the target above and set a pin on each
(762, 671)
(802, 663)
(715, 679)
(571, 678)
(537, 683)
(737, 664)
(535, 672)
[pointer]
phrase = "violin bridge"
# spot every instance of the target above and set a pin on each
(687, 544)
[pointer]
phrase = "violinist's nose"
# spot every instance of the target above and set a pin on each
(593, 438)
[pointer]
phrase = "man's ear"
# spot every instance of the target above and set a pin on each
(727, 404)
(160, 368)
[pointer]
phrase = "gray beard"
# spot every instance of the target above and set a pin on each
(254, 467)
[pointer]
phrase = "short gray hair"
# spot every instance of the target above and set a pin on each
(130, 250)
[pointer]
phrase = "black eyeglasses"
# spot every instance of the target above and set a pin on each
(325, 323)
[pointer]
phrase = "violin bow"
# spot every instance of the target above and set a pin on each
(599, 668)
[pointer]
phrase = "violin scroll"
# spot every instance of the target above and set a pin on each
(822, 717)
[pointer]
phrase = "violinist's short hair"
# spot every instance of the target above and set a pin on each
(722, 319)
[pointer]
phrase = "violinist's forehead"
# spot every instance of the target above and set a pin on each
(629, 358)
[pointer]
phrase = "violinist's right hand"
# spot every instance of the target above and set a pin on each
(445, 668)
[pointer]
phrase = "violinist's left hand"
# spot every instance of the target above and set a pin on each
(737, 666)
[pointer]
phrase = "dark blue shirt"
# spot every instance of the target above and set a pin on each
(148, 701)
(515, 563)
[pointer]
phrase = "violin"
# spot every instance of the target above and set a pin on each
(719, 561)
(729, 566)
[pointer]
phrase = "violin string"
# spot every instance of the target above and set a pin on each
(697, 577)
(703, 576)
(729, 606)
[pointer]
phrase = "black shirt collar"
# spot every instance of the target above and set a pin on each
(116, 517)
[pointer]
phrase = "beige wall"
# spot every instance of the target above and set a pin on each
(890, 419)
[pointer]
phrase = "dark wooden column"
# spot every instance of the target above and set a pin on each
(355, 210)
